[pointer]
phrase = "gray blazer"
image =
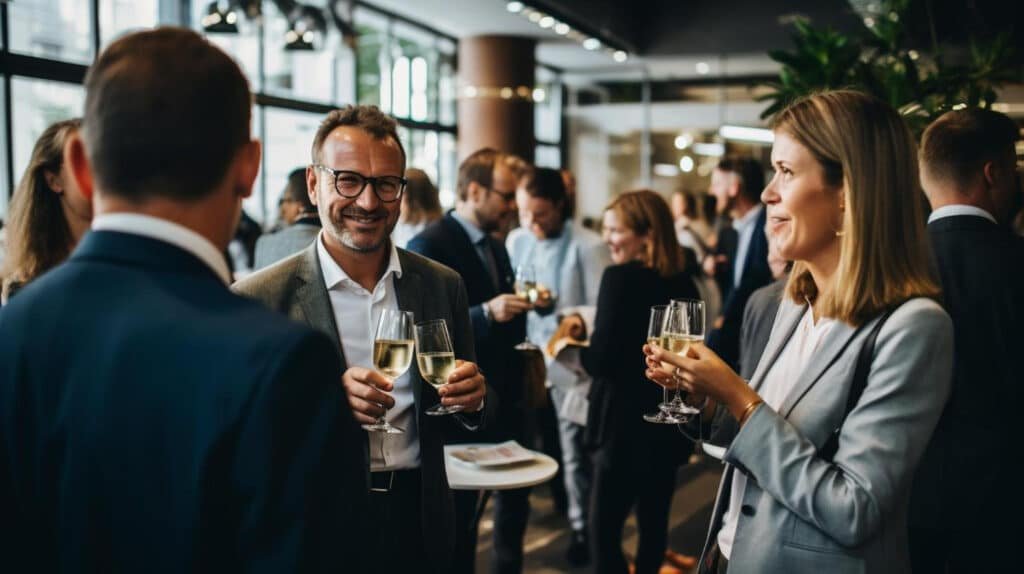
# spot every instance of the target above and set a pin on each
(295, 287)
(801, 513)
(273, 247)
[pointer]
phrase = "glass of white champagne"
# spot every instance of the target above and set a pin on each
(684, 326)
(526, 288)
(655, 336)
(392, 354)
(436, 360)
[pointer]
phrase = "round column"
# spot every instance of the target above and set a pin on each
(496, 75)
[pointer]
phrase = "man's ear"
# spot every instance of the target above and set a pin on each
(78, 164)
(311, 183)
(249, 167)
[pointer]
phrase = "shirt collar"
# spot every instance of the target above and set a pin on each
(334, 275)
(748, 218)
(959, 209)
(168, 232)
(474, 232)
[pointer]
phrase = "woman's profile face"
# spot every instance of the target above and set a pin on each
(625, 245)
(75, 203)
(804, 212)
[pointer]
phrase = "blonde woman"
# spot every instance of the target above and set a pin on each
(49, 214)
(818, 471)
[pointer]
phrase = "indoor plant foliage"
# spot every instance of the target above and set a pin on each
(881, 60)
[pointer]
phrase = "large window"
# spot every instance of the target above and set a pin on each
(407, 69)
(547, 118)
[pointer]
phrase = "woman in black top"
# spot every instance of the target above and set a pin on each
(635, 462)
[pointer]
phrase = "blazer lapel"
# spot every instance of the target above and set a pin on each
(832, 347)
(409, 292)
(315, 302)
(785, 326)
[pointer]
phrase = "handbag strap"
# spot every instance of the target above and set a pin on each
(860, 381)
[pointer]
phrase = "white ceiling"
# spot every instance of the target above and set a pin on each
(463, 18)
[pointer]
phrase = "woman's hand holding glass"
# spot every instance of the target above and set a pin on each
(702, 373)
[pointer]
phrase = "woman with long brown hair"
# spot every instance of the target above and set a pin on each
(48, 215)
(634, 462)
(825, 437)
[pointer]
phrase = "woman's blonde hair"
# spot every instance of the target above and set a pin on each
(38, 235)
(647, 213)
(864, 147)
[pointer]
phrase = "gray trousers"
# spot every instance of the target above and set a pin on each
(576, 465)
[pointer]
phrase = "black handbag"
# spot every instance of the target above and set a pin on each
(860, 381)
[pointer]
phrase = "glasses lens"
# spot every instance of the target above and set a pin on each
(349, 184)
(388, 188)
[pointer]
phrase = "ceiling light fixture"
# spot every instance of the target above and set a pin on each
(620, 56)
(742, 133)
(686, 164)
(703, 68)
(220, 18)
(591, 44)
(562, 28)
(712, 149)
(514, 7)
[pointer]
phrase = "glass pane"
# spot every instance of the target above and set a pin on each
(243, 46)
(448, 166)
(548, 156)
(6, 189)
(289, 136)
(253, 205)
(547, 107)
(372, 87)
(447, 82)
(414, 73)
(36, 105)
(54, 29)
(422, 147)
(120, 16)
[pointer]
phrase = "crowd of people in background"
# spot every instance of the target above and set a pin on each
(180, 391)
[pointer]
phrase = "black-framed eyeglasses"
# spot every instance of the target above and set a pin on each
(349, 184)
(506, 196)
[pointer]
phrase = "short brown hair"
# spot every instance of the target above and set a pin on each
(956, 147)
(479, 167)
(867, 151)
(367, 118)
(749, 171)
(647, 213)
(165, 114)
(422, 203)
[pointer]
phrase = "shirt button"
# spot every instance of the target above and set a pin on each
(747, 510)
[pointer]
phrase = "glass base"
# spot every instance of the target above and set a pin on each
(526, 346)
(384, 427)
(664, 418)
(678, 408)
(439, 410)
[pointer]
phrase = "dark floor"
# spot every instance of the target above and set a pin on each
(548, 533)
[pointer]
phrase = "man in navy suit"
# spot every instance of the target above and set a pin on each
(462, 240)
(741, 259)
(966, 476)
(151, 420)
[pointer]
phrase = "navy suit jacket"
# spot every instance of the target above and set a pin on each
(152, 421)
(446, 242)
(756, 274)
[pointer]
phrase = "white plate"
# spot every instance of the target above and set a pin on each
(491, 455)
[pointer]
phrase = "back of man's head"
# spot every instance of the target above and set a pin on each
(546, 183)
(479, 168)
(166, 112)
(955, 148)
(749, 172)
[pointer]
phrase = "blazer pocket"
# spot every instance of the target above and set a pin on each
(805, 536)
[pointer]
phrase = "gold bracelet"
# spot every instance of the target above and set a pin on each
(749, 409)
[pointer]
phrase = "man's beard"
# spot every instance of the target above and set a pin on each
(343, 236)
(487, 225)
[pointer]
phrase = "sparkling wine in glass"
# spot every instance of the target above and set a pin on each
(392, 354)
(526, 288)
(436, 360)
(655, 335)
(684, 326)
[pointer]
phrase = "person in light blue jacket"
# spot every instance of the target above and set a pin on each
(827, 434)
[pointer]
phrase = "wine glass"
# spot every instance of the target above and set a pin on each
(392, 353)
(436, 360)
(526, 288)
(684, 326)
(655, 335)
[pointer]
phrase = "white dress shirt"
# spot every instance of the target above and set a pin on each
(744, 227)
(168, 232)
(778, 382)
(954, 210)
(356, 312)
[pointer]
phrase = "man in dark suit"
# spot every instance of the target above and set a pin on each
(340, 285)
(462, 240)
(740, 264)
(300, 220)
(150, 420)
(966, 477)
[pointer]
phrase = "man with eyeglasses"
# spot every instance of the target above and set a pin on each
(340, 285)
(463, 240)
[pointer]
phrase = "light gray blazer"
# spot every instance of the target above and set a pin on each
(273, 247)
(801, 513)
